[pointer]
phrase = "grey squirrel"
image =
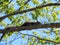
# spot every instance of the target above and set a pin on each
(30, 23)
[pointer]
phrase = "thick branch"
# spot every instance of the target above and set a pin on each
(36, 26)
(32, 9)
(29, 27)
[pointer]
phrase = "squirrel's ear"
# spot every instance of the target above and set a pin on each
(25, 24)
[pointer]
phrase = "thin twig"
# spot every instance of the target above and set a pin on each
(2, 36)
(26, 2)
(6, 5)
(37, 38)
(41, 38)
(23, 4)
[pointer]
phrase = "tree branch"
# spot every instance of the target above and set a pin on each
(26, 2)
(29, 27)
(2, 36)
(42, 38)
(10, 1)
(32, 9)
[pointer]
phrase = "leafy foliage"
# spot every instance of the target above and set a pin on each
(48, 15)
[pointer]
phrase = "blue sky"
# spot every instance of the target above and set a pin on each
(18, 39)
